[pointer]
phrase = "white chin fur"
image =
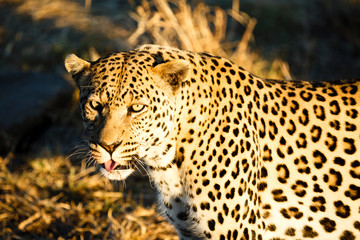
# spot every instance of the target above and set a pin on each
(117, 175)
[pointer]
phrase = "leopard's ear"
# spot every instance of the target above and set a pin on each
(172, 74)
(77, 67)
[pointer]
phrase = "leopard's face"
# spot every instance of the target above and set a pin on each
(129, 117)
(117, 129)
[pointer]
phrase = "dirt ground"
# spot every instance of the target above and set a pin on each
(46, 192)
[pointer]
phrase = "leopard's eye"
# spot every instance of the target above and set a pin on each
(95, 105)
(136, 108)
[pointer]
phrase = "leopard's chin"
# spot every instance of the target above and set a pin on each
(117, 175)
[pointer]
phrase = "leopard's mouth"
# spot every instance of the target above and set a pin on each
(112, 165)
(115, 171)
(117, 167)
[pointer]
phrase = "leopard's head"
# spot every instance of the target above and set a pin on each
(127, 102)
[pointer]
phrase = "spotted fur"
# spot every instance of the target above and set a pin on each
(233, 156)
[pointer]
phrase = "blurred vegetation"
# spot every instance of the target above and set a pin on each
(46, 195)
(51, 198)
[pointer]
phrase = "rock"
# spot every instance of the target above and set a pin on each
(28, 103)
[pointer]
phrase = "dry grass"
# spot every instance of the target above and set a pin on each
(202, 28)
(171, 23)
(53, 199)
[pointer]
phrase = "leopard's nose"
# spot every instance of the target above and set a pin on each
(109, 148)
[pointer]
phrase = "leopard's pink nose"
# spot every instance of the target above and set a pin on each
(110, 165)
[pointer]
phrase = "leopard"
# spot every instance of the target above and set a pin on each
(231, 155)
